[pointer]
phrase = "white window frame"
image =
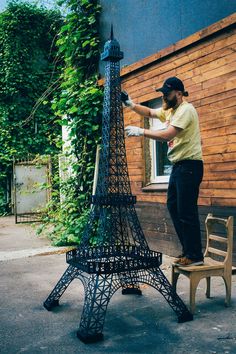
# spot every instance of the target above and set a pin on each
(155, 124)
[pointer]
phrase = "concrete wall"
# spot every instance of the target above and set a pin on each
(143, 27)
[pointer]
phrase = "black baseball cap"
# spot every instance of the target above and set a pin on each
(172, 83)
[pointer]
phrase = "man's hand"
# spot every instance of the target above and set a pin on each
(126, 100)
(134, 131)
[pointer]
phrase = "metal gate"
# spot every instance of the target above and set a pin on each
(31, 187)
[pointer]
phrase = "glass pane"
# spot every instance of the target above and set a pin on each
(163, 165)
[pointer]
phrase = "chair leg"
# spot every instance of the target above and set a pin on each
(194, 281)
(174, 278)
(228, 283)
(208, 287)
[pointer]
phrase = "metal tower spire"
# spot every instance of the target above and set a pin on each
(113, 252)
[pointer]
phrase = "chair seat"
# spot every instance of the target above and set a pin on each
(209, 263)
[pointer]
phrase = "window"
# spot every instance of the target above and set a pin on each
(161, 166)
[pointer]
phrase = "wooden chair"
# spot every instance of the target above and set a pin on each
(210, 267)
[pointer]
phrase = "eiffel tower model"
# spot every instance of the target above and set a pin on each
(113, 252)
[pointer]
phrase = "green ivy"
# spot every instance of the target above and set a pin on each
(78, 104)
(27, 68)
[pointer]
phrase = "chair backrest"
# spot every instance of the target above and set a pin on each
(227, 241)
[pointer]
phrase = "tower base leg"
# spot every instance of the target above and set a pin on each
(158, 280)
(61, 286)
(129, 283)
(89, 338)
(134, 291)
(50, 305)
(185, 317)
(99, 290)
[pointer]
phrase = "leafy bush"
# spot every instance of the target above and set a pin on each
(28, 76)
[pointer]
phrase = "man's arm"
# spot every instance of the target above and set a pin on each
(138, 108)
(144, 111)
(162, 134)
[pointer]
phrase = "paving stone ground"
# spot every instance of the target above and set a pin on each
(134, 324)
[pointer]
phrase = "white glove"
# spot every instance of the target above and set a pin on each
(126, 100)
(134, 131)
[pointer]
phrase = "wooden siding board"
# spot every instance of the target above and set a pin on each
(200, 62)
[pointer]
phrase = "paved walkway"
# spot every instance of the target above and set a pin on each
(20, 241)
(134, 324)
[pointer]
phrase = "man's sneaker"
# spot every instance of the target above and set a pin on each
(187, 262)
(178, 258)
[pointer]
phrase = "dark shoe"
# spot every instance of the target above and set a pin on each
(178, 259)
(187, 262)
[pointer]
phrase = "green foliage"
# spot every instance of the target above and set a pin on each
(78, 104)
(27, 69)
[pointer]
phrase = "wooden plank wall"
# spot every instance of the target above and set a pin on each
(160, 232)
(208, 69)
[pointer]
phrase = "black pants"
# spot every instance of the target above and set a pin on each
(182, 197)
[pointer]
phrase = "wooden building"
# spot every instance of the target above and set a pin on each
(206, 62)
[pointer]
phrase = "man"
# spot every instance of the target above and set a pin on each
(182, 135)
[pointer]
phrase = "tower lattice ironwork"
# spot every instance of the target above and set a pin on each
(121, 257)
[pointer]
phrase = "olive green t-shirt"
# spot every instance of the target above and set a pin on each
(187, 143)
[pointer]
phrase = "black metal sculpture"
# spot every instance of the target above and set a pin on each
(113, 252)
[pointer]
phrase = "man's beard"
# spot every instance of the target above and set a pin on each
(167, 104)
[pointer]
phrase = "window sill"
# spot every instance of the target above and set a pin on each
(155, 187)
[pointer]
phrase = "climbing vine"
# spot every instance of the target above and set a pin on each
(78, 104)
